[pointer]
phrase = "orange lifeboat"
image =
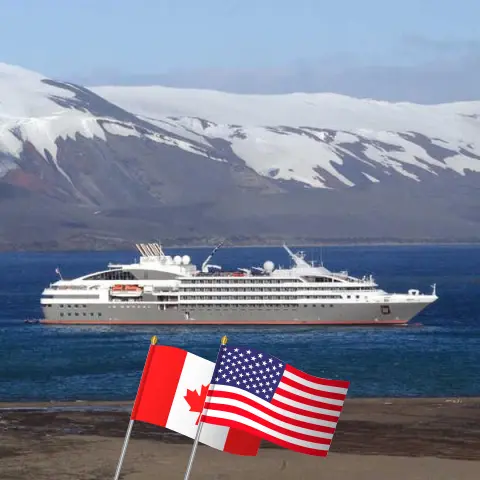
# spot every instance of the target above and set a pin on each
(126, 291)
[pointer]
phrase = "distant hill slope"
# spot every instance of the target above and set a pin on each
(108, 166)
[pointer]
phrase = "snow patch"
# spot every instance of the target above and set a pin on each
(372, 179)
(294, 156)
(6, 165)
(24, 94)
(461, 163)
(123, 130)
(156, 137)
(44, 132)
(9, 143)
(345, 137)
(178, 128)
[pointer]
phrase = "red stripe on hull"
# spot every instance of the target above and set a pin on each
(221, 322)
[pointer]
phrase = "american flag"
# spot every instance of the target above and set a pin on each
(262, 395)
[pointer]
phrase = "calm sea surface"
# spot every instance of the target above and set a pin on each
(439, 357)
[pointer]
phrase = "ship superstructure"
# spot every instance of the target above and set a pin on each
(161, 289)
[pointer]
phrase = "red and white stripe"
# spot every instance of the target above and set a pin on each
(301, 416)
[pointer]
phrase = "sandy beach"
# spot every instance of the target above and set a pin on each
(376, 439)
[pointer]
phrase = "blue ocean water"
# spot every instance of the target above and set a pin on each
(439, 357)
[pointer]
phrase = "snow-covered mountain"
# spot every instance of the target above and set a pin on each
(110, 164)
(41, 118)
(323, 140)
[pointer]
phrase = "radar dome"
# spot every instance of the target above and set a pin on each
(185, 259)
(268, 266)
(177, 259)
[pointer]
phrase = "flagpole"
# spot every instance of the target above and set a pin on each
(153, 341)
(223, 342)
(124, 449)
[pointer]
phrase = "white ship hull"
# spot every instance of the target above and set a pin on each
(138, 313)
(172, 291)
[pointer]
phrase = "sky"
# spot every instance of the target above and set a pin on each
(385, 49)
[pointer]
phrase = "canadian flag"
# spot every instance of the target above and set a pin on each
(171, 394)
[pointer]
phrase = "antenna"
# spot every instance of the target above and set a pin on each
(57, 271)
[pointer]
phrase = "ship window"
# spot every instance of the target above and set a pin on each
(61, 314)
(112, 275)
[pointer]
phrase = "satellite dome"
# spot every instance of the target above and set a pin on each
(268, 266)
(185, 259)
(177, 259)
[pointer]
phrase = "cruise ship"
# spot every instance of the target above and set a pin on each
(161, 289)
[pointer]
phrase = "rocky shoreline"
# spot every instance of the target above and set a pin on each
(442, 428)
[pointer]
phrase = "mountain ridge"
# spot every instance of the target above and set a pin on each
(105, 167)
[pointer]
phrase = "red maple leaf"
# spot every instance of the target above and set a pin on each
(196, 400)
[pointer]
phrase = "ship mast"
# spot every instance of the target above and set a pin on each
(205, 263)
(297, 258)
